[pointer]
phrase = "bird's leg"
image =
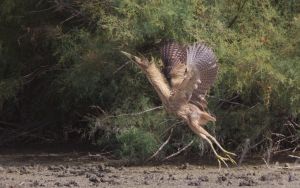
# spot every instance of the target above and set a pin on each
(219, 158)
(193, 122)
(227, 153)
(215, 141)
(219, 145)
(202, 119)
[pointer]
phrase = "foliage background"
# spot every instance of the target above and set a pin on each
(63, 79)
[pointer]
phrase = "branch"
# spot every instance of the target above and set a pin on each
(179, 151)
(267, 164)
(294, 156)
(121, 67)
(9, 124)
(241, 6)
(134, 114)
(161, 147)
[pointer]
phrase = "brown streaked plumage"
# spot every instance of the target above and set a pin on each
(174, 57)
(199, 60)
(191, 71)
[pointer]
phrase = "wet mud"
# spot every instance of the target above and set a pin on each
(86, 170)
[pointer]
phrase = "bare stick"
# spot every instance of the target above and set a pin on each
(121, 67)
(294, 156)
(245, 151)
(179, 151)
(267, 164)
(284, 150)
(162, 146)
(134, 114)
(9, 124)
(288, 167)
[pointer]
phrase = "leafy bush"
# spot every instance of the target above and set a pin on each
(136, 144)
(62, 72)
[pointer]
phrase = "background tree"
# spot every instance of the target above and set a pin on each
(62, 75)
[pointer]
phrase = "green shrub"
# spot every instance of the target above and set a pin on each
(136, 144)
(61, 59)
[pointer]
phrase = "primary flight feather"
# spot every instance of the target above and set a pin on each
(198, 60)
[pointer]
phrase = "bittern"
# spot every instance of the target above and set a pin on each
(188, 73)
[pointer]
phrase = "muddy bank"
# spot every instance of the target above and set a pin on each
(87, 170)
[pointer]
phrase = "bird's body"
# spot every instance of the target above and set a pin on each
(197, 60)
(189, 72)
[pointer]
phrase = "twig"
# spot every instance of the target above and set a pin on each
(269, 150)
(139, 113)
(283, 150)
(121, 67)
(295, 148)
(244, 151)
(27, 134)
(9, 124)
(134, 114)
(294, 123)
(24, 132)
(229, 101)
(172, 126)
(283, 167)
(70, 18)
(241, 6)
(294, 156)
(161, 147)
(43, 10)
(278, 134)
(254, 146)
(179, 151)
(266, 162)
(289, 167)
(98, 108)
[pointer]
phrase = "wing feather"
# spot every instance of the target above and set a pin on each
(201, 64)
(172, 53)
(201, 61)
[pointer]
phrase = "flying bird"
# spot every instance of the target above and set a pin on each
(188, 73)
(198, 60)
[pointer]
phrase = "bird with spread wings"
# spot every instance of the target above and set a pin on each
(198, 60)
(188, 73)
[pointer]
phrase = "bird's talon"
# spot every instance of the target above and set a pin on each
(230, 159)
(229, 153)
(222, 159)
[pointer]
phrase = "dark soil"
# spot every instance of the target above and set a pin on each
(72, 169)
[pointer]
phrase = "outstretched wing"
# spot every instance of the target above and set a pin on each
(172, 54)
(202, 62)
